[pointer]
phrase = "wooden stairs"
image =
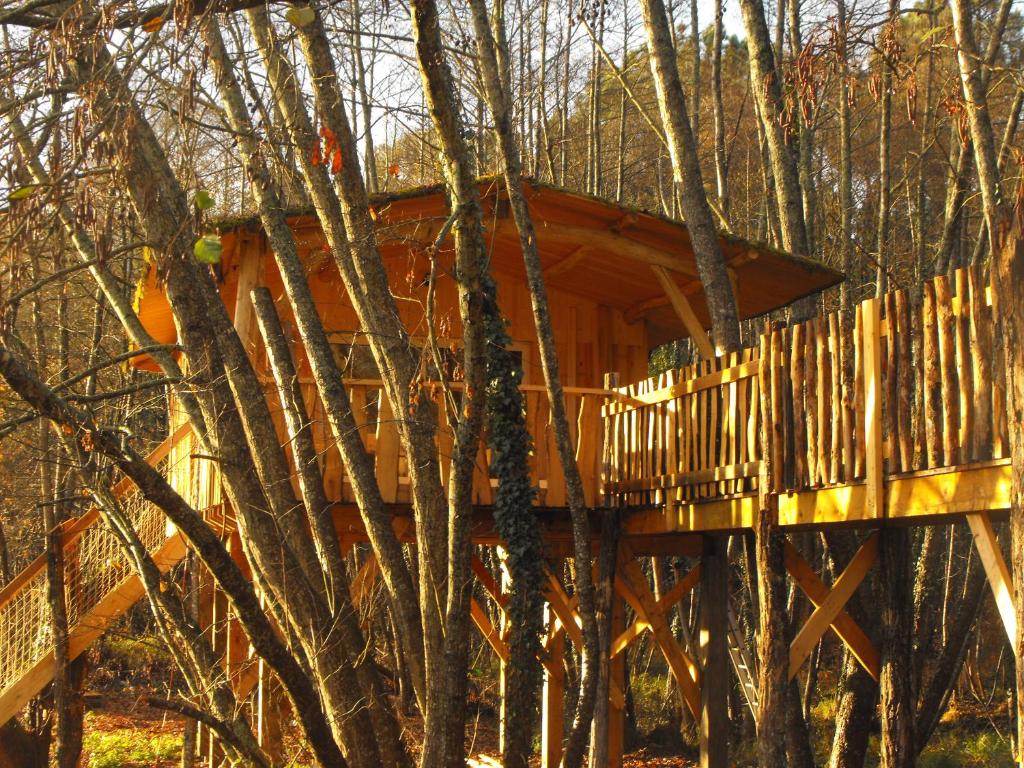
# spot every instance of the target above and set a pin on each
(101, 586)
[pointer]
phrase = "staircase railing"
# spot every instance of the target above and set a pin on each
(95, 570)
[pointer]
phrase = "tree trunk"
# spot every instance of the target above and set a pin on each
(494, 71)
(898, 699)
(766, 84)
(721, 164)
(688, 180)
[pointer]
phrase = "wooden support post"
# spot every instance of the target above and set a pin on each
(714, 643)
(682, 307)
(874, 502)
(617, 682)
(248, 279)
(553, 703)
(270, 713)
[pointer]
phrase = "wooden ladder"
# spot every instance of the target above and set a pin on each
(743, 663)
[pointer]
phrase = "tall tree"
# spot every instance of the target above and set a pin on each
(688, 179)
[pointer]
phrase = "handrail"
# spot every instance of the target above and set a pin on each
(455, 385)
(74, 528)
(838, 399)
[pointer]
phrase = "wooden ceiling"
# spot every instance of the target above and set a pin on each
(605, 251)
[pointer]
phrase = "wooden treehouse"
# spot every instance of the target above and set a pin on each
(893, 417)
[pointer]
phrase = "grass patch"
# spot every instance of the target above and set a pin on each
(130, 748)
(957, 748)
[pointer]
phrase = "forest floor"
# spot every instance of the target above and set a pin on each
(122, 731)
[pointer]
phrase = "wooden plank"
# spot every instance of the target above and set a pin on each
(711, 474)
(836, 447)
(905, 383)
(947, 364)
(843, 624)
(874, 471)
(631, 633)
(890, 389)
(386, 464)
(685, 312)
(587, 444)
(858, 393)
(932, 383)
(488, 630)
(686, 387)
(800, 413)
(980, 323)
(929, 493)
(680, 589)
(776, 431)
(848, 395)
(828, 608)
(559, 601)
(965, 402)
(824, 384)
(995, 569)
(552, 729)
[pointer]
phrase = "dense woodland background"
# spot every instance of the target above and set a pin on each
(872, 107)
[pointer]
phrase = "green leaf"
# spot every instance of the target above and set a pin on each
(300, 16)
(23, 193)
(208, 249)
(204, 200)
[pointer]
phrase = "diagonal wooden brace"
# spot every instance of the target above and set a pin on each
(679, 590)
(995, 569)
(632, 584)
(828, 607)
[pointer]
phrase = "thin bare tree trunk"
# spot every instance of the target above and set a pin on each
(766, 84)
(688, 180)
(721, 164)
(494, 68)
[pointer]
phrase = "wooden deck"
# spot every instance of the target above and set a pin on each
(897, 418)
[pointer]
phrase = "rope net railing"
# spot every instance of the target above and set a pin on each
(95, 568)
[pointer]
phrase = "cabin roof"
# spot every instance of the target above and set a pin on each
(588, 246)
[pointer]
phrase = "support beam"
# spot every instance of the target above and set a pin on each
(996, 570)
(631, 583)
(567, 263)
(604, 240)
(682, 307)
(843, 624)
(826, 612)
(552, 728)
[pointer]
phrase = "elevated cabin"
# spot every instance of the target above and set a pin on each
(620, 283)
(892, 416)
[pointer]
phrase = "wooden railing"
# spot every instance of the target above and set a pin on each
(379, 431)
(95, 569)
(912, 384)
